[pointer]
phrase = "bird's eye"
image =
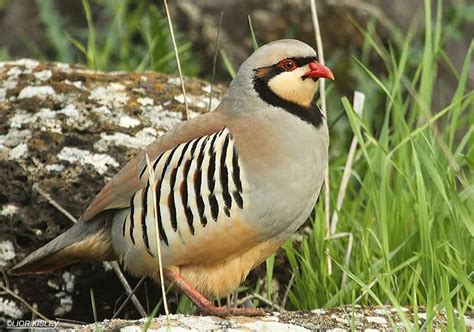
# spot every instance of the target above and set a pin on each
(287, 65)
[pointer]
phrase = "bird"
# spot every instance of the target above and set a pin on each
(217, 194)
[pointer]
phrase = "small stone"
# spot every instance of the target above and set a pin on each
(146, 101)
(206, 88)
(36, 91)
(70, 110)
(65, 305)
(54, 168)
(120, 139)
(28, 63)
(8, 308)
(198, 101)
(422, 315)
(69, 280)
(15, 137)
(469, 322)
(339, 319)
(99, 161)
(128, 122)
(19, 152)
(147, 132)
(43, 75)
(112, 95)
(174, 80)
(14, 72)
(319, 311)
(376, 320)
(8, 210)
(7, 252)
(52, 284)
(382, 311)
(77, 84)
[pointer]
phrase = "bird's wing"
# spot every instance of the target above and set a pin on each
(117, 193)
(199, 196)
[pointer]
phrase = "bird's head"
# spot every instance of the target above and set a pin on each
(283, 72)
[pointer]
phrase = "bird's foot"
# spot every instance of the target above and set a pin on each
(205, 306)
(224, 311)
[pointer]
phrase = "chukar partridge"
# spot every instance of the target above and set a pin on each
(229, 186)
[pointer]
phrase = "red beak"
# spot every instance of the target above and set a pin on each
(318, 70)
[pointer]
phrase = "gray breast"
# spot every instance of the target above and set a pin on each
(285, 195)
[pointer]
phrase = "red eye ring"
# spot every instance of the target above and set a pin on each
(287, 65)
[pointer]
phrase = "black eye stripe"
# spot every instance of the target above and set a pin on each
(300, 62)
(273, 70)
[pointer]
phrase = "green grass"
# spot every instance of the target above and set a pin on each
(409, 205)
(4, 56)
(94, 310)
(120, 35)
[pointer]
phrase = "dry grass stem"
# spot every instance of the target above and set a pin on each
(128, 289)
(268, 302)
(129, 296)
(347, 258)
(358, 105)
(178, 63)
(214, 60)
(151, 177)
(232, 299)
(365, 291)
(5, 278)
(287, 290)
(320, 49)
(261, 298)
(54, 203)
(322, 87)
(22, 300)
(33, 312)
(243, 300)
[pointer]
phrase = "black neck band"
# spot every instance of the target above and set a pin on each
(311, 114)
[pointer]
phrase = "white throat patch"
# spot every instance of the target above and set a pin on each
(291, 87)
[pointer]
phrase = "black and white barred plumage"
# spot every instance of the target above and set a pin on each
(194, 183)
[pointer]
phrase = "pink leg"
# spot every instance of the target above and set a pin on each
(204, 305)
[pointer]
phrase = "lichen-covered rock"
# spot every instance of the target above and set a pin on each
(68, 130)
(384, 318)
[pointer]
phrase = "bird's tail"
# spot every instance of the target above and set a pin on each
(90, 240)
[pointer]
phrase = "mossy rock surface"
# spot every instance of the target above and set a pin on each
(68, 130)
(358, 318)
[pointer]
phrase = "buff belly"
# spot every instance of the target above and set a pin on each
(222, 277)
(215, 260)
